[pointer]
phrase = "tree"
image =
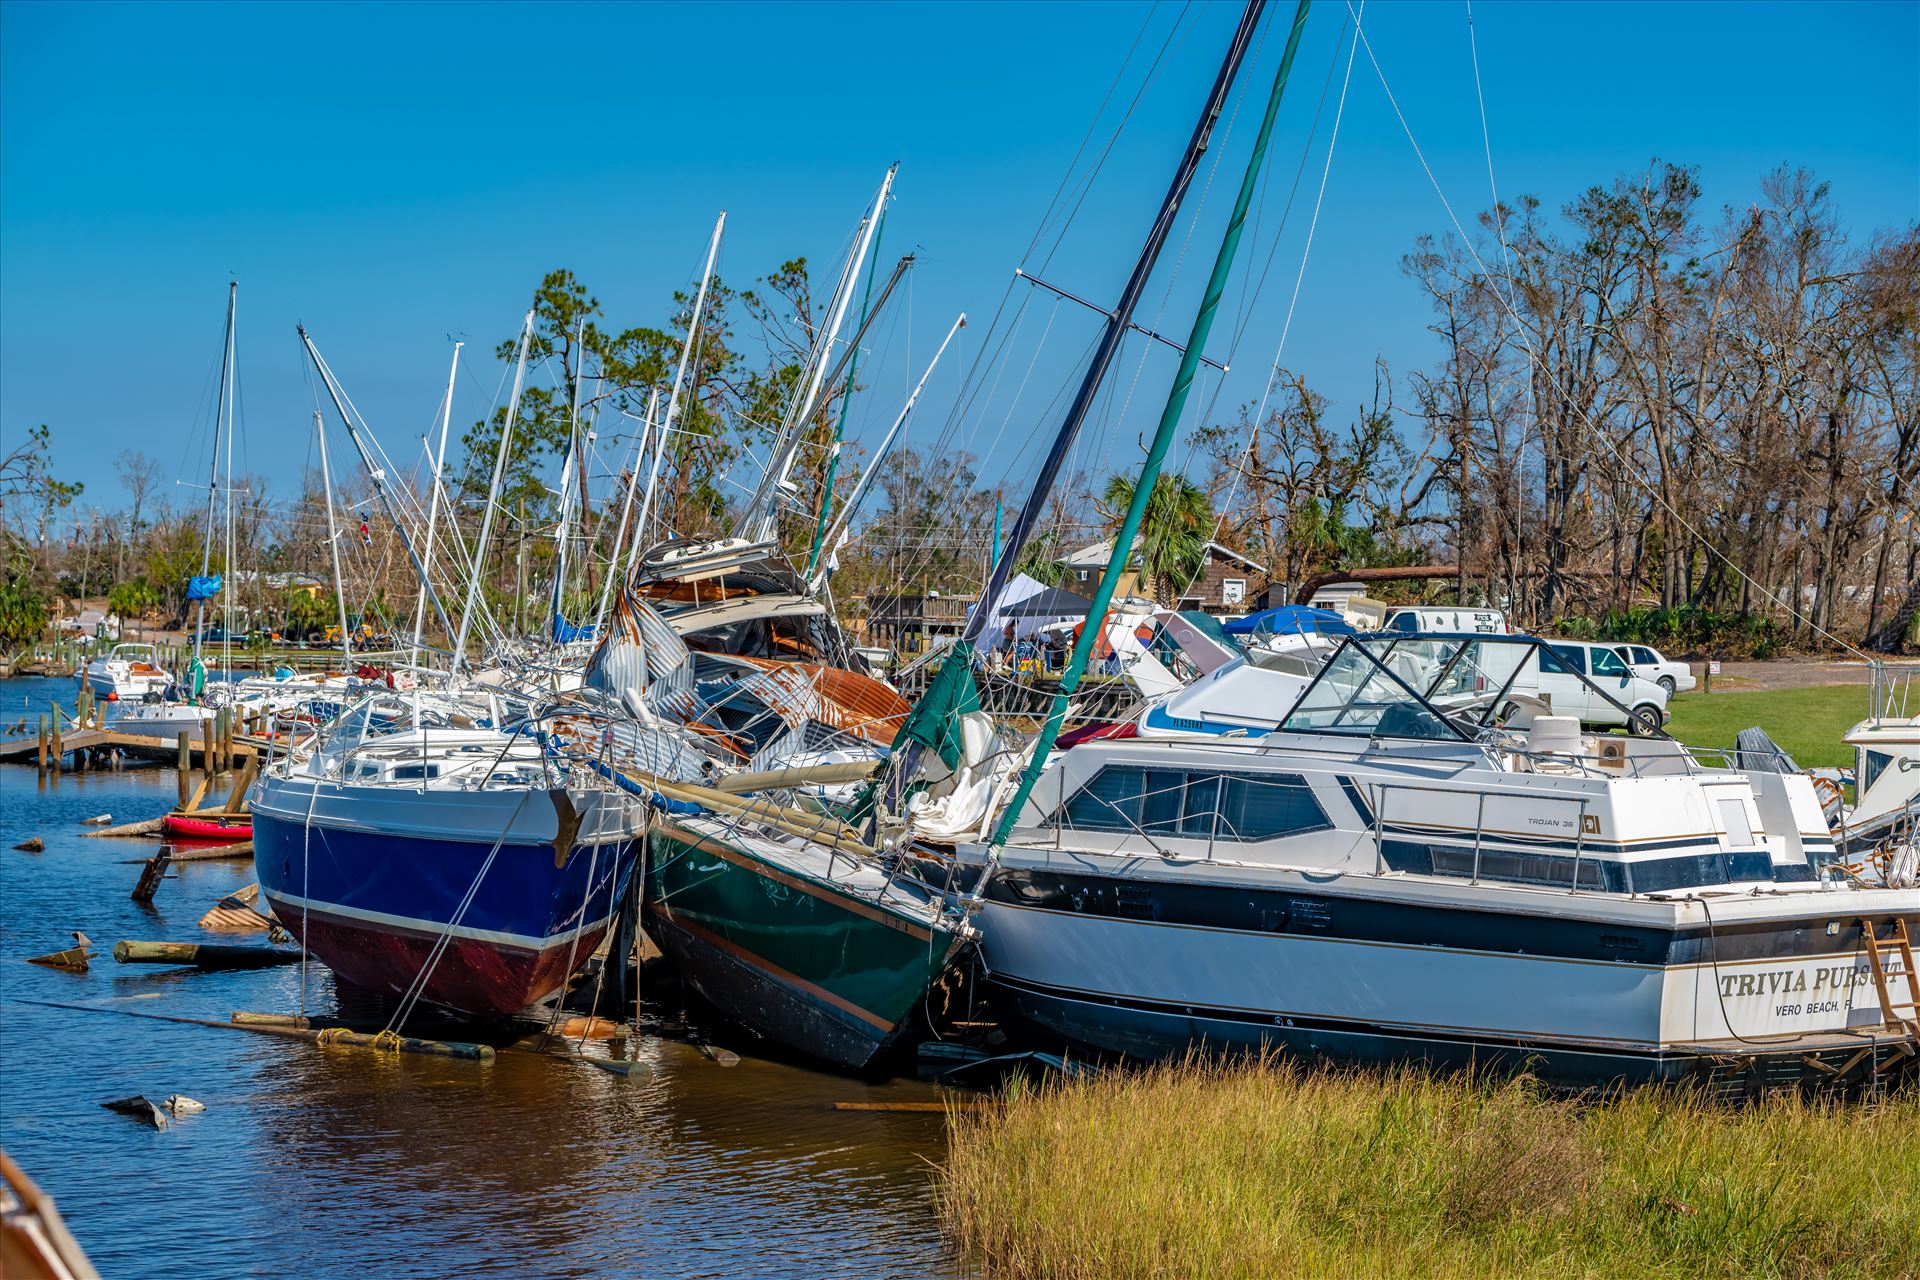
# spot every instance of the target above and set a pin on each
(132, 600)
(139, 474)
(1173, 534)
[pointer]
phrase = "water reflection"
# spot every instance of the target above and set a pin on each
(316, 1164)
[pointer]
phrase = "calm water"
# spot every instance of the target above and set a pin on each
(310, 1163)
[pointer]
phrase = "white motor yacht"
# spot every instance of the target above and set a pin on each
(1422, 862)
(128, 671)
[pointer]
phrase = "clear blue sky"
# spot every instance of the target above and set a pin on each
(394, 174)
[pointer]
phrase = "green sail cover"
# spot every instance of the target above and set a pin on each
(934, 721)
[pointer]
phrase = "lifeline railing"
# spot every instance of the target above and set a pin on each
(1380, 790)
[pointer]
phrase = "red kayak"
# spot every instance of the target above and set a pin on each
(230, 829)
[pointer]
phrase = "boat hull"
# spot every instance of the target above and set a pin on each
(372, 902)
(238, 827)
(1150, 970)
(828, 973)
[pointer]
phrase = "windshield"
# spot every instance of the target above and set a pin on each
(1432, 686)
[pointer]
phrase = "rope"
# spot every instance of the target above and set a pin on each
(1626, 466)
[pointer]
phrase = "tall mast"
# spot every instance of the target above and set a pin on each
(1117, 323)
(333, 541)
(493, 495)
(829, 535)
(679, 374)
(763, 513)
(626, 509)
(1162, 441)
(573, 472)
(433, 501)
(213, 469)
(846, 404)
(374, 473)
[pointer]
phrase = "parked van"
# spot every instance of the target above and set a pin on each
(1415, 622)
(1645, 702)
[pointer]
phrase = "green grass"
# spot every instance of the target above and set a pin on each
(1263, 1170)
(1807, 723)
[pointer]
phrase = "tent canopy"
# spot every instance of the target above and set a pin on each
(1054, 602)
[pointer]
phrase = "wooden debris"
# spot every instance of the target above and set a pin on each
(149, 827)
(936, 1107)
(34, 845)
(99, 821)
(151, 875)
(73, 958)
(725, 1057)
(212, 852)
(330, 1037)
(201, 955)
(246, 1019)
(235, 913)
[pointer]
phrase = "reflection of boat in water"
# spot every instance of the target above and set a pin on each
(1397, 872)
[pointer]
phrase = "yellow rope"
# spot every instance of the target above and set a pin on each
(388, 1041)
(330, 1037)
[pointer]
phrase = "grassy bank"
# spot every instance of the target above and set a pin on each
(1262, 1170)
(1807, 723)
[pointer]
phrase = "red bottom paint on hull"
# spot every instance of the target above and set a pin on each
(208, 829)
(486, 979)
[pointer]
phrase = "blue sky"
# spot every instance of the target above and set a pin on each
(396, 174)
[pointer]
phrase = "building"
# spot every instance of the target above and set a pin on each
(1225, 587)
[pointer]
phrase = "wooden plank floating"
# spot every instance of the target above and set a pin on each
(957, 1104)
(201, 955)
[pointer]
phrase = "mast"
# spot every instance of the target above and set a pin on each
(626, 509)
(846, 404)
(493, 495)
(1117, 323)
(573, 472)
(1157, 453)
(333, 542)
(680, 372)
(886, 442)
(763, 513)
(374, 473)
(433, 502)
(220, 414)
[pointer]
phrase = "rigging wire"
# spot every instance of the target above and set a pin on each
(1627, 466)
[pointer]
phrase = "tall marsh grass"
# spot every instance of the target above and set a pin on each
(1263, 1169)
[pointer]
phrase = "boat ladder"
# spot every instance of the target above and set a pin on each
(1900, 1016)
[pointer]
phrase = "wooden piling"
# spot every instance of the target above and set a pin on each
(186, 767)
(150, 876)
(43, 746)
(206, 747)
(57, 750)
(226, 739)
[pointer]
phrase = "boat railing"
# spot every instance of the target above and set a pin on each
(1380, 791)
(1893, 692)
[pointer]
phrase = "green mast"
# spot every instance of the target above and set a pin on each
(1162, 441)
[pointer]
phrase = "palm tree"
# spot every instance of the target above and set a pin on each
(1173, 535)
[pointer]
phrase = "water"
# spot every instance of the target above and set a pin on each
(315, 1163)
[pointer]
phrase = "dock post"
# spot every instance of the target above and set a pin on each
(226, 737)
(206, 747)
(56, 737)
(186, 767)
(43, 746)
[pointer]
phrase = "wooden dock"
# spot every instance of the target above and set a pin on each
(26, 750)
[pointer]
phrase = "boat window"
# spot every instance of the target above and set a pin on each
(1607, 663)
(415, 772)
(1572, 655)
(1196, 805)
(1872, 766)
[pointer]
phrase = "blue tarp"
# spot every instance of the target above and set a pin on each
(565, 632)
(206, 588)
(1293, 619)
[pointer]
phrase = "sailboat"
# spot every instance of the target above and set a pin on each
(160, 712)
(797, 927)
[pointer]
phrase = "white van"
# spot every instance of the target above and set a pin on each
(1645, 701)
(1414, 622)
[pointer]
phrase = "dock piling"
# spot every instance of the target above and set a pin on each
(186, 766)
